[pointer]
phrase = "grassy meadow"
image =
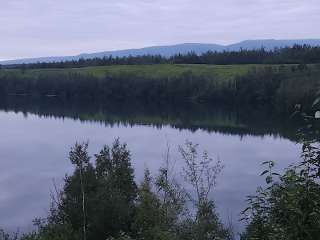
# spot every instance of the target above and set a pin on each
(222, 72)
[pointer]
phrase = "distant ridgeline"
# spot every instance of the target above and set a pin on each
(298, 54)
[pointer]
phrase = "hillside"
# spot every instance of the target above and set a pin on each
(170, 50)
(222, 72)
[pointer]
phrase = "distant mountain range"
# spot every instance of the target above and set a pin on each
(168, 51)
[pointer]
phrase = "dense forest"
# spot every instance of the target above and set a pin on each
(289, 55)
(281, 87)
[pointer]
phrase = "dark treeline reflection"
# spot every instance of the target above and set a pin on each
(240, 121)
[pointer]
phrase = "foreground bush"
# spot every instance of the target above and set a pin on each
(289, 207)
(102, 200)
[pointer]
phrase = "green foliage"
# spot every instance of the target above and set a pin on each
(275, 86)
(122, 236)
(286, 210)
(221, 72)
(148, 220)
(116, 191)
(97, 201)
(102, 201)
(201, 174)
(51, 231)
(79, 155)
(289, 207)
(6, 236)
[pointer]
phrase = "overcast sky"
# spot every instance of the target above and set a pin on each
(33, 28)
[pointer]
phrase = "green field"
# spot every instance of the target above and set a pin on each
(225, 72)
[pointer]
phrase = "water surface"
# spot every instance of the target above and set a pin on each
(35, 143)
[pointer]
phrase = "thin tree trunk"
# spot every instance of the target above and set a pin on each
(83, 205)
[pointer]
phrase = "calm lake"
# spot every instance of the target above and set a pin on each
(36, 139)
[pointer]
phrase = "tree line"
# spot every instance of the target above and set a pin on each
(298, 54)
(281, 87)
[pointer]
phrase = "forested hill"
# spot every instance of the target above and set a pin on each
(169, 51)
(297, 54)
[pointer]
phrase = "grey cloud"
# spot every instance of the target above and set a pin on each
(31, 28)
